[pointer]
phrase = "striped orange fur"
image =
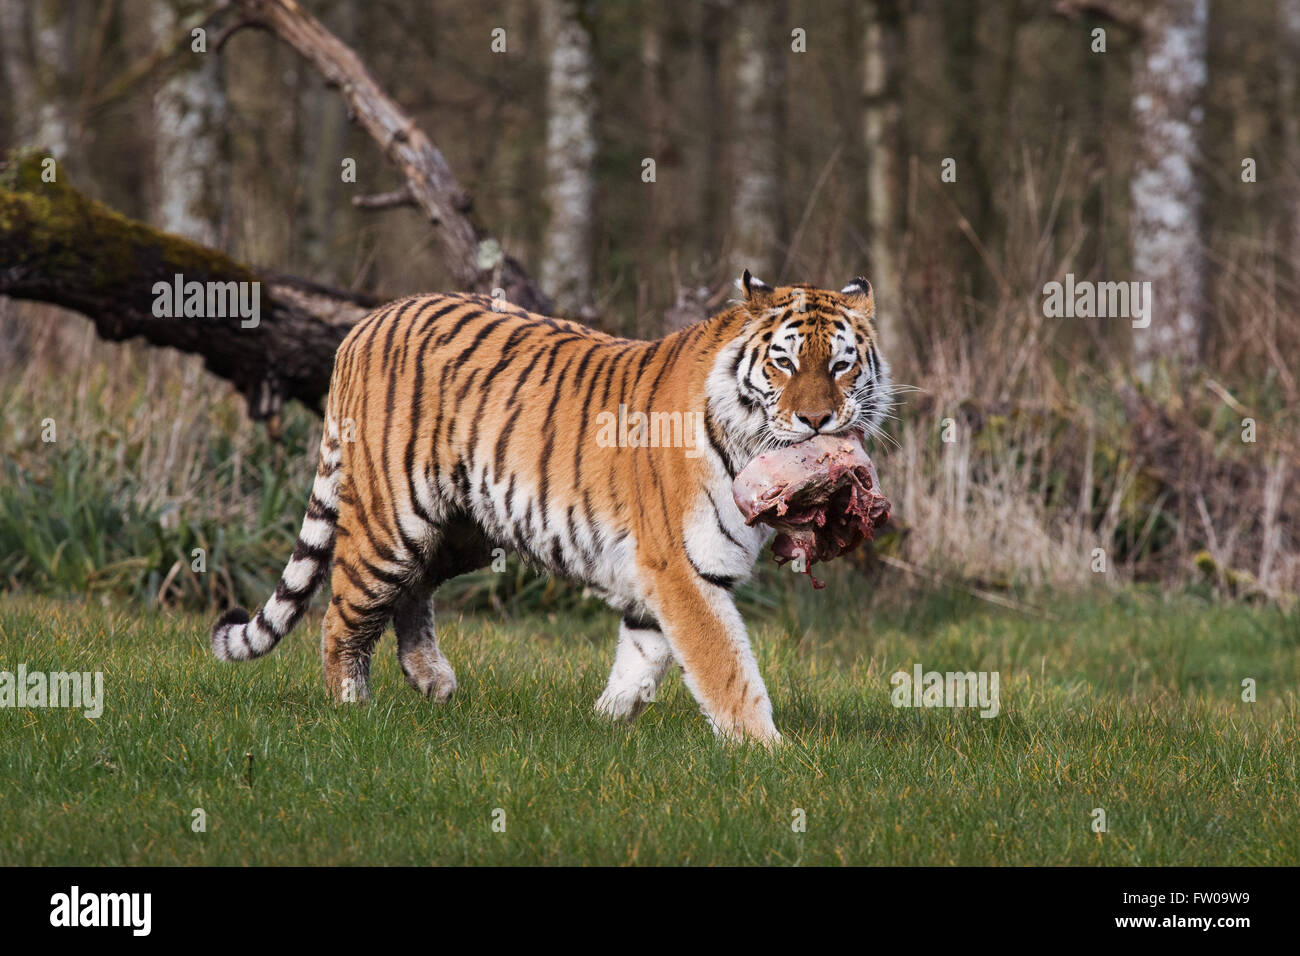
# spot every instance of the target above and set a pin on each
(456, 424)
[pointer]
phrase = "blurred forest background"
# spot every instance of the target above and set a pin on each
(804, 141)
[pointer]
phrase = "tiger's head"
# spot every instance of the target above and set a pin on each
(804, 363)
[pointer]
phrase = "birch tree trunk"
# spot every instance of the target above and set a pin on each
(882, 140)
(568, 247)
(1169, 79)
(757, 206)
(38, 43)
(189, 121)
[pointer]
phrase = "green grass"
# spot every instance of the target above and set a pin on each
(1125, 701)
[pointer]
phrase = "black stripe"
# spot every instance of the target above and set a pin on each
(669, 360)
(483, 333)
(416, 414)
(395, 323)
(506, 351)
(623, 394)
(261, 619)
(471, 447)
(718, 580)
(618, 358)
(597, 535)
(716, 445)
(663, 502)
(468, 384)
(438, 421)
(371, 471)
(555, 351)
(321, 511)
(502, 440)
(466, 307)
(549, 445)
(557, 556)
(460, 481)
(646, 355)
(717, 516)
(581, 440)
(735, 366)
(578, 545)
(523, 378)
(383, 550)
(355, 577)
(582, 367)
(437, 314)
(300, 596)
(302, 550)
(339, 605)
(544, 464)
(410, 544)
(377, 316)
(388, 577)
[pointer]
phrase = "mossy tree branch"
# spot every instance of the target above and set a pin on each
(60, 247)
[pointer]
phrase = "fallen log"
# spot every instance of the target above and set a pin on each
(61, 247)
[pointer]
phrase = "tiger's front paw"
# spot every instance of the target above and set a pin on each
(752, 727)
(767, 737)
(625, 700)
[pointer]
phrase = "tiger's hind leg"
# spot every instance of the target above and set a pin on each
(348, 637)
(640, 662)
(367, 588)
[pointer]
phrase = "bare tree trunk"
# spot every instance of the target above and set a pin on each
(41, 63)
(1288, 68)
(654, 109)
(570, 155)
(709, 150)
(966, 67)
(322, 142)
(1169, 79)
(757, 201)
(882, 140)
(193, 194)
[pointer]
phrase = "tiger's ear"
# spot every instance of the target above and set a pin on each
(857, 286)
(754, 289)
(860, 289)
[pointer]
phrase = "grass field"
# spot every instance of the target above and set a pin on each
(1123, 701)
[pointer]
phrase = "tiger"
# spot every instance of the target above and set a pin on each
(457, 424)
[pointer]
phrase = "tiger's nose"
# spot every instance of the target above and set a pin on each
(815, 420)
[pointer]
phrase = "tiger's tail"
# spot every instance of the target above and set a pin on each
(236, 637)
